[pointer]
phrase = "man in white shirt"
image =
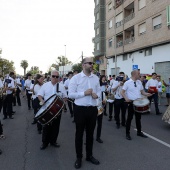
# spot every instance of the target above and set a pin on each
(85, 89)
(51, 131)
(27, 85)
(9, 87)
(132, 90)
(152, 86)
(159, 89)
(119, 103)
(18, 91)
(69, 101)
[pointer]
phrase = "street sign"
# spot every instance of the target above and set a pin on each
(98, 62)
(135, 67)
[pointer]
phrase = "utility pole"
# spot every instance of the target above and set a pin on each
(82, 56)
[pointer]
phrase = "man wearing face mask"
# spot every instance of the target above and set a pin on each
(85, 89)
(119, 103)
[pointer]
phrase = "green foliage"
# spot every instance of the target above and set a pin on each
(62, 61)
(24, 65)
(77, 67)
(34, 70)
(6, 66)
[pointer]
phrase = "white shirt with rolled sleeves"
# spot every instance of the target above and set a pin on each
(28, 84)
(152, 82)
(79, 84)
(48, 89)
(133, 92)
(66, 84)
(36, 89)
(118, 94)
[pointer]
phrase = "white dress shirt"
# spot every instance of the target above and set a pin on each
(133, 92)
(48, 89)
(66, 84)
(118, 94)
(152, 82)
(27, 84)
(11, 85)
(79, 84)
(160, 88)
(36, 89)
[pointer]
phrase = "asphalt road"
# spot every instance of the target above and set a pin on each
(21, 148)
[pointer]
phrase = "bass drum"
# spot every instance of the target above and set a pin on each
(50, 110)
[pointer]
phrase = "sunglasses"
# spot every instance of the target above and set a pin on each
(135, 84)
(53, 76)
(90, 63)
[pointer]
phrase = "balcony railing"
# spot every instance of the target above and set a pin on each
(128, 18)
(118, 2)
(129, 40)
(119, 44)
(118, 24)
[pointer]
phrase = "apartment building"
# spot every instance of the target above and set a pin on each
(137, 35)
(99, 39)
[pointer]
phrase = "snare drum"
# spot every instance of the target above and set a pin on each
(50, 110)
(141, 105)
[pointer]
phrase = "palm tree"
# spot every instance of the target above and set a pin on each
(24, 65)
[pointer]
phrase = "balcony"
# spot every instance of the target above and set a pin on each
(118, 3)
(119, 44)
(129, 40)
(119, 40)
(130, 17)
(118, 24)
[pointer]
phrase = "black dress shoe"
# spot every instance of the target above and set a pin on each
(4, 118)
(34, 122)
(99, 140)
(19, 104)
(141, 134)
(92, 160)
(39, 131)
(105, 114)
(118, 126)
(128, 137)
(110, 119)
(13, 111)
(77, 164)
(11, 117)
(55, 145)
(43, 146)
(0, 152)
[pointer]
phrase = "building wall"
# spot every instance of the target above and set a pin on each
(65, 69)
(146, 64)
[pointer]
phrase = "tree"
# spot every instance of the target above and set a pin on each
(24, 65)
(62, 61)
(34, 70)
(77, 67)
(6, 66)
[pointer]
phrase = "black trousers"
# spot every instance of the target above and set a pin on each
(85, 117)
(70, 105)
(1, 103)
(28, 98)
(131, 112)
(7, 105)
(18, 96)
(51, 131)
(155, 97)
(36, 107)
(1, 129)
(120, 104)
(111, 110)
(99, 125)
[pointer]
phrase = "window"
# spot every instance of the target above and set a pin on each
(97, 46)
(97, 31)
(113, 59)
(110, 6)
(157, 23)
(125, 57)
(97, 2)
(148, 51)
(110, 24)
(142, 3)
(97, 16)
(119, 19)
(168, 15)
(142, 28)
(110, 42)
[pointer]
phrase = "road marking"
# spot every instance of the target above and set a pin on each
(156, 139)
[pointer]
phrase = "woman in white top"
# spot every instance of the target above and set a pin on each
(37, 86)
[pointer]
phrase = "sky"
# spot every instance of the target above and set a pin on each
(41, 30)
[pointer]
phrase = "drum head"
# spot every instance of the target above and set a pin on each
(46, 105)
(141, 102)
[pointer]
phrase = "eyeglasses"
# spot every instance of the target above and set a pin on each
(135, 84)
(53, 76)
(90, 63)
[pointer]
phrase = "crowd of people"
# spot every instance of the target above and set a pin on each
(82, 93)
